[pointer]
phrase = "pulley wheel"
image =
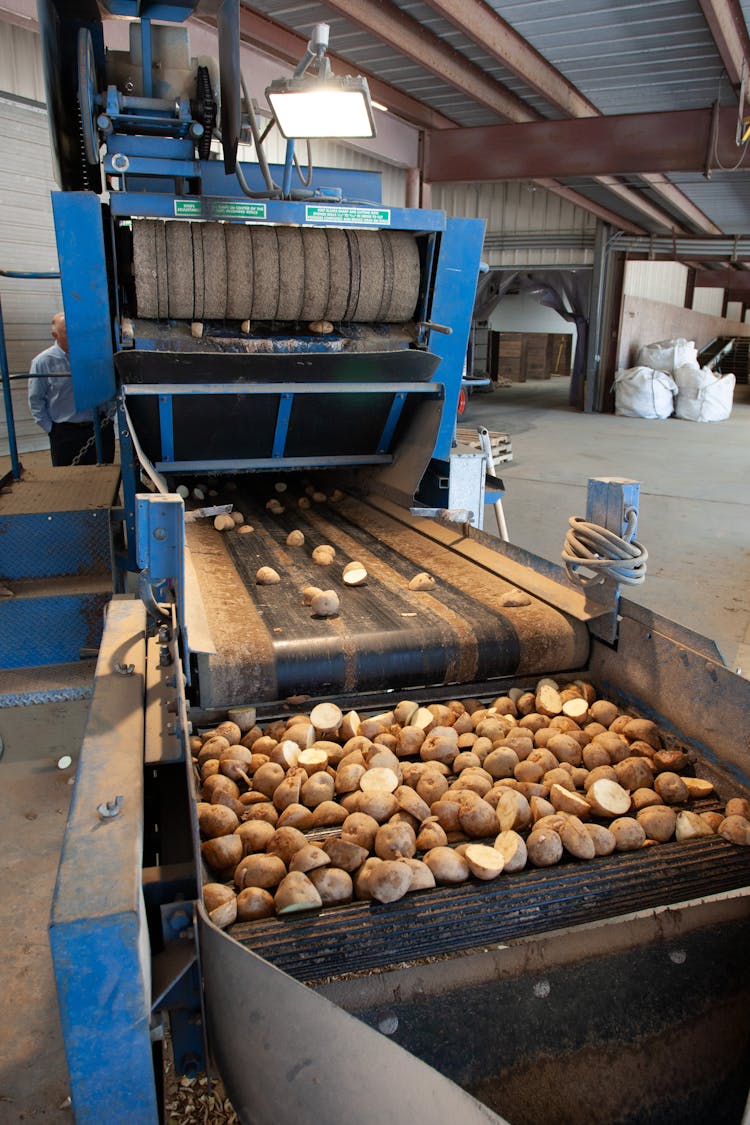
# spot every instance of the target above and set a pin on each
(317, 275)
(266, 280)
(144, 268)
(180, 269)
(214, 272)
(291, 272)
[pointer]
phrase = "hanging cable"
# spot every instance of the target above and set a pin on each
(588, 546)
(305, 180)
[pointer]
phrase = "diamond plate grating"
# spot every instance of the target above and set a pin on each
(56, 683)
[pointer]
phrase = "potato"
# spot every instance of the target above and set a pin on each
(690, 826)
(267, 576)
(595, 756)
(674, 761)
(296, 893)
(446, 865)
(323, 555)
(295, 816)
(608, 798)
(362, 877)
(316, 790)
(358, 828)
(422, 582)
(254, 835)
(644, 798)
(395, 841)
(219, 781)
(220, 904)
(333, 884)
(254, 902)
(325, 604)
(698, 787)
(295, 538)
(634, 773)
(604, 841)
(565, 749)
(389, 881)
(327, 814)
(349, 857)
(484, 862)
(216, 820)
(513, 811)
(671, 788)
(513, 850)
(642, 730)
(263, 811)
(575, 839)
(263, 871)
(431, 835)
(628, 833)
(501, 762)
(267, 779)
(570, 802)
(604, 712)
(308, 593)
(477, 818)
(738, 806)
(544, 847)
(422, 878)
(308, 858)
(222, 852)
(378, 803)
(658, 822)
(285, 843)
(735, 829)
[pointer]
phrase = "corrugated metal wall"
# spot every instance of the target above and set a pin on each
(27, 238)
(710, 301)
(525, 224)
(657, 281)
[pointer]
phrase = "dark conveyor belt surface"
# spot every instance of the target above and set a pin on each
(270, 646)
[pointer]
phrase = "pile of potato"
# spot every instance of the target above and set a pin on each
(326, 806)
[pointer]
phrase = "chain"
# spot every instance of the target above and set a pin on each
(107, 418)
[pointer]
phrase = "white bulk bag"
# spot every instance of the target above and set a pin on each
(668, 355)
(642, 392)
(702, 395)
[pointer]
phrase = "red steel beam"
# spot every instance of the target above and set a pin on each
(736, 282)
(727, 26)
(622, 144)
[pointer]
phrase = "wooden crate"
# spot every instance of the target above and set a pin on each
(500, 444)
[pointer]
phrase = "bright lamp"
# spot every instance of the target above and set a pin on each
(322, 107)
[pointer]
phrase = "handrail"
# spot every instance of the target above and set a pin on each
(5, 371)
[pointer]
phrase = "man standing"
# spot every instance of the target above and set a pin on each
(53, 407)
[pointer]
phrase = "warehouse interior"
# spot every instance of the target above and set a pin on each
(422, 346)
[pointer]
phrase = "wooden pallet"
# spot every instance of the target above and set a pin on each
(500, 444)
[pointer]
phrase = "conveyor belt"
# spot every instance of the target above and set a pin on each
(366, 935)
(189, 270)
(270, 647)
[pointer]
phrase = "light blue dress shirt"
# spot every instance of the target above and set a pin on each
(51, 400)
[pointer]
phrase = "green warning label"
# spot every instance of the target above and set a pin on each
(359, 216)
(218, 209)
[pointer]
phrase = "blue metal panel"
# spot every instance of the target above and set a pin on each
(391, 422)
(166, 427)
(49, 630)
(453, 301)
(97, 930)
(40, 545)
(160, 535)
(354, 185)
(433, 390)
(162, 148)
(83, 268)
(151, 205)
(283, 415)
(151, 166)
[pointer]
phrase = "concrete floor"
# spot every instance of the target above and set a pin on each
(695, 522)
(695, 503)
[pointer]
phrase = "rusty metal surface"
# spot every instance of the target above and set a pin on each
(657, 669)
(70, 489)
(651, 1031)
(317, 1060)
(675, 141)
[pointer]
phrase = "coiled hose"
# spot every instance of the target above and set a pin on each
(590, 547)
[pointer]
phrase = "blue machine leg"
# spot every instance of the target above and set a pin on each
(98, 931)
